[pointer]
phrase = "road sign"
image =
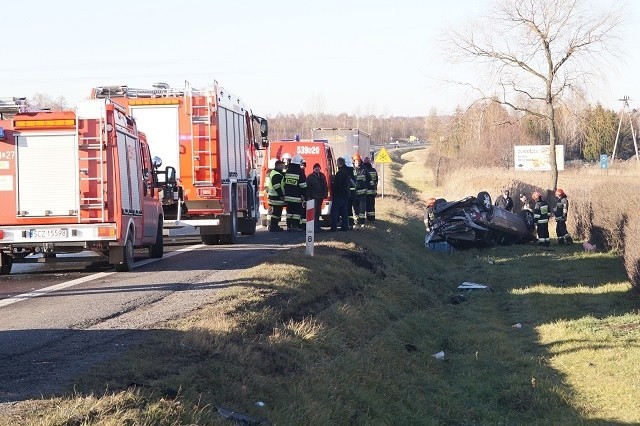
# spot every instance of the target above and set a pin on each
(604, 161)
(382, 156)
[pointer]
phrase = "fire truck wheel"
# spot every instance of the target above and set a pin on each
(5, 264)
(156, 250)
(127, 256)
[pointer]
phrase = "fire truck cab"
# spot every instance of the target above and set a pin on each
(211, 140)
(78, 180)
(312, 151)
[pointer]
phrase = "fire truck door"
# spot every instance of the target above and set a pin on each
(150, 210)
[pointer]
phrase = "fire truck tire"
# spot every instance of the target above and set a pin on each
(5, 264)
(210, 239)
(156, 250)
(232, 236)
(127, 256)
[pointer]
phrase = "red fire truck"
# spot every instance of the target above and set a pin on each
(312, 151)
(77, 180)
(211, 139)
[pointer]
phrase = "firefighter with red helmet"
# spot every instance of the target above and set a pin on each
(541, 217)
(560, 216)
(372, 191)
(429, 216)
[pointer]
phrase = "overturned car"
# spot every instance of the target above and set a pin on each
(475, 222)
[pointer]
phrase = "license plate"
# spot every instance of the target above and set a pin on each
(48, 233)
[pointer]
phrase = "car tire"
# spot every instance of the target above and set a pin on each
(484, 201)
(529, 221)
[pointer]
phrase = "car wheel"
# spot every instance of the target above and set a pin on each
(527, 217)
(484, 201)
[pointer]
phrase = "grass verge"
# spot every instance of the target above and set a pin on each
(348, 336)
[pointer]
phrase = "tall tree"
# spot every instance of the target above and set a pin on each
(536, 50)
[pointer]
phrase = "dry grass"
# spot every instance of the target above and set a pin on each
(603, 202)
(347, 337)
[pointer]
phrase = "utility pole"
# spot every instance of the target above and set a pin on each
(625, 110)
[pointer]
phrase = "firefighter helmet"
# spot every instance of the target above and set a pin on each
(560, 193)
(357, 157)
(537, 196)
(431, 202)
(286, 157)
(347, 161)
(297, 159)
(272, 163)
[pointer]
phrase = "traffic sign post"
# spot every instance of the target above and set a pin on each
(382, 157)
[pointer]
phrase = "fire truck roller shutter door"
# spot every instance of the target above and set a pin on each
(160, 124)
(46, 165)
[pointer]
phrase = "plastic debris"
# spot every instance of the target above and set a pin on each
(472, 286)
(439, 356)
(240, 418)
(517, 325)
(589, 247)
(260, 404)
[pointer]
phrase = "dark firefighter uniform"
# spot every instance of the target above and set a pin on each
(372, 191)
(363, 182)
(275, 193)
(295, 186)
(541, 217)
(560, 216)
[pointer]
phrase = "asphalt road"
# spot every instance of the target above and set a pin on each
(58, 320)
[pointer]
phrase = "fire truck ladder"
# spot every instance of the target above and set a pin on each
(202, 144)
(92, 153)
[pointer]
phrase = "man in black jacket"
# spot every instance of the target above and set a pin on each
(317, 190)
(504, 201)
(340, 190)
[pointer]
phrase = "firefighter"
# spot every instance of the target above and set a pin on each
(295, 188)
(372, 191)
(429, 216)
(363, 181)
(348, 163)
(541, 217)
(276, 195)
(286, 159)
(560, 216)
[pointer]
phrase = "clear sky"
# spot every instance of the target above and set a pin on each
(353, 56)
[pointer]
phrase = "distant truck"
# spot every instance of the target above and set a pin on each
(78, 180)
(312, 151)
(345, 141)
(211, 139)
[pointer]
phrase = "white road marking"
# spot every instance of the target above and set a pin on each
(46, 290)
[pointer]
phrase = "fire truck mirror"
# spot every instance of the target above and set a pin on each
(264, 129)
(157, 162)
(170, 173)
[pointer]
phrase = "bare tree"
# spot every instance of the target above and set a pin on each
(536, 50)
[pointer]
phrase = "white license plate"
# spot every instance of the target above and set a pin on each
(48, 233)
